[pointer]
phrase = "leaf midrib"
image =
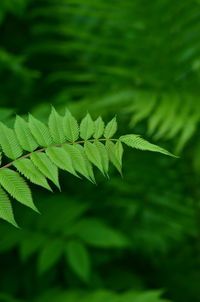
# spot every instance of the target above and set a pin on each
(57, 145)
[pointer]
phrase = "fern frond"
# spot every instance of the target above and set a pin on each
(162, 110)
(177, 42)
(61, 149)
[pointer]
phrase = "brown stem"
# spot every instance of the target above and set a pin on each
(59, 145)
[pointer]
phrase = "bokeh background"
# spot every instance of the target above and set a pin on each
(130, 239)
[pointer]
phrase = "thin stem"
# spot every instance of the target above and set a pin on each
(59, 145)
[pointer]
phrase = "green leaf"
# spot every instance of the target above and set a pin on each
(45, 165)
(93, 154)
(104, 156)
(55, 124)
(16, 186)
(6, 211)
(0, 158)
(111, 128)
(115, 155)
(187, 132)
(143, 106)
(86, 127)
(173, 106)
(49, 255)
(119, 152)
(61, 159)
(24, 135)
(98, 234)
(40, 132)
(9, 142)
(98, 127)
(70, 126)
(29, 170)
(88, 164)
(135, 141)
(78, 258)
(80, 161)
(157, 115)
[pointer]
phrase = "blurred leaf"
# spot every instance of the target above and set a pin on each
(96, 233)
(50, 255)
(78, 258)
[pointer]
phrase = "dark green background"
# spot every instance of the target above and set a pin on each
(138, 59)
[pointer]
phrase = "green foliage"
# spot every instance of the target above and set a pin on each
(56, 127)
(101, 63)
(45, 166)
(97, 234)
(13, 6)
(49, 255)
(6, 211)
(111, 128)
(24, 135)
(163, 110)
(95, 296)
(100, 296)
(86, 127)
(78, 258)
(9, 143)
(44, 163)
(26, 167)
(15, 185)
(135, 141)
(80, 161)
(118, 239)
(115, 152)
(71, 128)
(71, 237)
(61, 159)
(98, 127)
(40, 132)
